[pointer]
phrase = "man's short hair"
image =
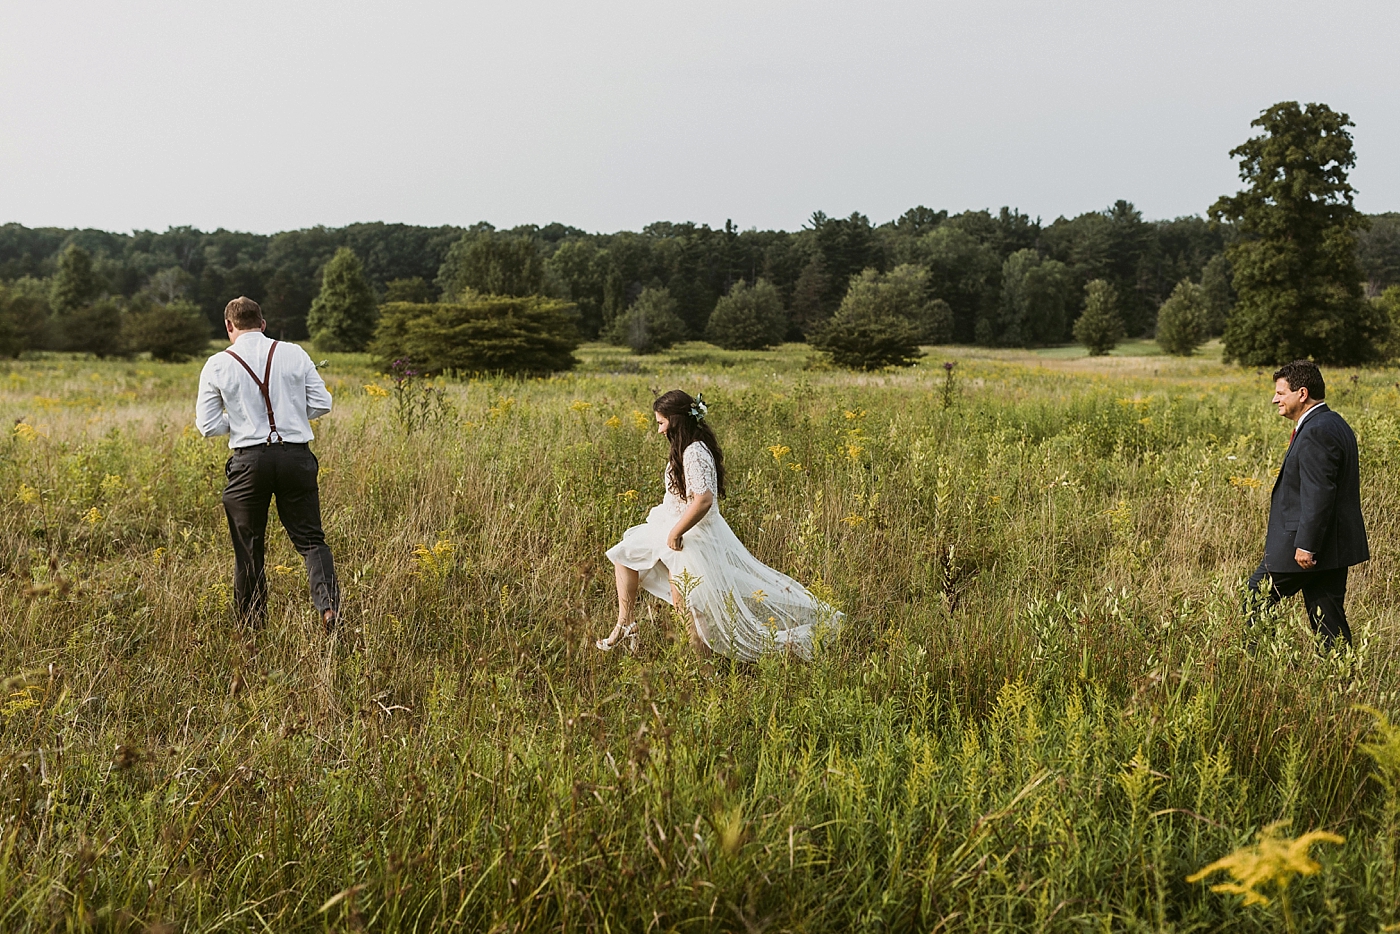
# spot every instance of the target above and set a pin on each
(243, 313)
(1303, 374)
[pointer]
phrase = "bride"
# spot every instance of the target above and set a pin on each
(686, 553)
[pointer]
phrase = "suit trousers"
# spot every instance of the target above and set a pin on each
(1323, 593)
(257, 475)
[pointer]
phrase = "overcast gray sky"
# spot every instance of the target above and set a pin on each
(265, 116)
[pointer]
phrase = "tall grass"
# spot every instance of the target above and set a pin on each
(1041, 715)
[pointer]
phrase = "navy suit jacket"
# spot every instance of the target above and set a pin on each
(1316, 502)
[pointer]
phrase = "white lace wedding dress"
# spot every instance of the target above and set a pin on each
(742, 607)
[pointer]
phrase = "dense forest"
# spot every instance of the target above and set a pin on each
(972, 260)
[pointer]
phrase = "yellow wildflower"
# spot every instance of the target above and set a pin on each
(157, 555)
(92, 516)
(1249, 483)
(796, 466)
(1274, 858)
(111, 485)
(639, 418)
(852, 415)
(26, 431)
(759, 596)
(853, 520)
(284, 570)
(27, 494)
(376, 390)
(614, 423)
(580, 406)
(854, 451)
(779, 451)
(629, 495)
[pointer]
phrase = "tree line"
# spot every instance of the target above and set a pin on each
(996, 279)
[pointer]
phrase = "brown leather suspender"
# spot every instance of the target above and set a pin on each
(263, 385)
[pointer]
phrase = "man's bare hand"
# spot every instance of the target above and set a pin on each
(1305, 559)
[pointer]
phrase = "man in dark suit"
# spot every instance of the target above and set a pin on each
(1315, 527)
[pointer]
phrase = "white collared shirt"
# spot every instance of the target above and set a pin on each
(1297, 426)
(230, 402)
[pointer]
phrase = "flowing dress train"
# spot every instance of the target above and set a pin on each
(742, 608)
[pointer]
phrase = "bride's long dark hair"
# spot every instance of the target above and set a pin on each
(682, 430)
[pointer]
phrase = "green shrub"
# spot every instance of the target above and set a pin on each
(900, 293)
(650, 324)
(1183, 320)
(177, 331)
(750, 317)
(93, 328)
(861, 339)
(342, 316)
(1099, 328)
(493, 334)
(24, 317)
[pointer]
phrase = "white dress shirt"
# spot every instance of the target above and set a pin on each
(230, 402)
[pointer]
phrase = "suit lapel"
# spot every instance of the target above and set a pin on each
(1313, 416)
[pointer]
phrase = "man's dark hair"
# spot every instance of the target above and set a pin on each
(1303, 374)
(243, 313)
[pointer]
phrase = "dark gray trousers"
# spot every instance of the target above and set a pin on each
(256, 476)
(1324, 592)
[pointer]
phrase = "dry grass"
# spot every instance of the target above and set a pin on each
(1041, 716)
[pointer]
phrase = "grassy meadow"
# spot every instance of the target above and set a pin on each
(1041, 715)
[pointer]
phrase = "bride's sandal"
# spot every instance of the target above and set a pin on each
(619, 633)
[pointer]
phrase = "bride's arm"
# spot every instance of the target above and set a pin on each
(700, 504)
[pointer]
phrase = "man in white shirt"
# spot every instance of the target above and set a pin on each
(264, 394)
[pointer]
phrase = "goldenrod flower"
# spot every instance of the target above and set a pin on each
(92, 516)
(1274, 858)
(26, 431)
(614, 423)
(629, 495)
(580, 406)
(779, 451)
(1249, 483)
(27, 494)
(639, 418)
(376, 390)
(853, 520)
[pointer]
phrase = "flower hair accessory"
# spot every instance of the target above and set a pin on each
(698, 408)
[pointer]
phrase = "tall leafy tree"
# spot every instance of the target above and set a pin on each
(1294, 261)
(650, 325)
(75, 284)
(343, 316)
(964, 272)
(1099, 328)
(901, 293)
(1034, 306)
(1183, 319)
(488, 265)
(750, 317)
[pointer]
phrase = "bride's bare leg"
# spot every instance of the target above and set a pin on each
(696, 643)
(627, 585)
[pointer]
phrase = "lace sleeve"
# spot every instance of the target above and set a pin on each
(699, 470)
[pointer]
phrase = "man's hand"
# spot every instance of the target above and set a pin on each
(1305, 559)
(673, 541)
